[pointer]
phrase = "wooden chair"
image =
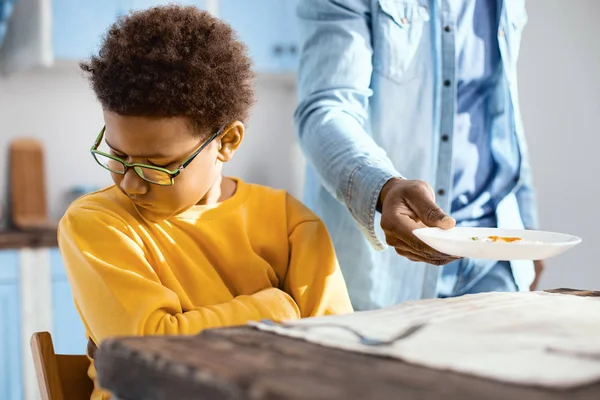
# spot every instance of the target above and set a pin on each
(59, 376)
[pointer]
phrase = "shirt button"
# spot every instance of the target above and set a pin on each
(501, 32)
(445, 138)
(441, 192)
(447, 82)
(404, 20)
(447, 28)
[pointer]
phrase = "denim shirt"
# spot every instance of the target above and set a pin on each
(478, 68)
(377, 99)
(6, 9)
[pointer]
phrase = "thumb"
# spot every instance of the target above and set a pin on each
(429, 213)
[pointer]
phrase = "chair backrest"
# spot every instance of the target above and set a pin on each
(59, 376)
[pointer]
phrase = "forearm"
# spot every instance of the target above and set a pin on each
(270, 303)
(332, 117)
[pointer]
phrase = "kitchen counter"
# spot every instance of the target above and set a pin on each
(13, 239)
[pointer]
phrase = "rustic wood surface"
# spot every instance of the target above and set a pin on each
(244, 363)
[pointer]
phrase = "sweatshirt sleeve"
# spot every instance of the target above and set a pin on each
(314, 278)
(118, 292)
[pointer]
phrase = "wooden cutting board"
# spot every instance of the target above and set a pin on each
(29, 210)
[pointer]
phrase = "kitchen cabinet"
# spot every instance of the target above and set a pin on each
(10, 333)
(290, 34)
(35, 295)
(142, 4)
(74, 30)
(78, 26)
(269, 29)
(68, 331)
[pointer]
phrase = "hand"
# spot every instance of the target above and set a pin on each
(539, 268)
(405, 206)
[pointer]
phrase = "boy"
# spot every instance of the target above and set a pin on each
(174, 247)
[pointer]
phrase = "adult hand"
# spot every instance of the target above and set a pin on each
(406, 205)
(539, 268)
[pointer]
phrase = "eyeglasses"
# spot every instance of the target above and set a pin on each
(149, 173)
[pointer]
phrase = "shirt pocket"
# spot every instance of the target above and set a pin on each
(397, 35)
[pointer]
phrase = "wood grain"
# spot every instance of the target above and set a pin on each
(243, 363)
(46, 366)
(28, 184)
(74, 379)
(60, 376)
(575, 292)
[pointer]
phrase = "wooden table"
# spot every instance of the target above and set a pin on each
(243, 363)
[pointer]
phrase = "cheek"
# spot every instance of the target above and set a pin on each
(117, 179)
(200, 174)
(196, 179)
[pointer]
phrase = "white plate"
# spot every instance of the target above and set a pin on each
(536, 245)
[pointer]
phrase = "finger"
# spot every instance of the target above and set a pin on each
(407, 251)
(432, 215)
(410, 255)
(399, 233)
(419, 258)
(403, 233)
(422, 201)
(402, 245)
(423, 248)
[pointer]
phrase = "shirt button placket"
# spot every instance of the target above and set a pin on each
(443, 174)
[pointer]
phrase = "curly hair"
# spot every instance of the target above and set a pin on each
(173, 61)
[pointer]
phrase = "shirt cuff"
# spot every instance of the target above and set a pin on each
(366, 182)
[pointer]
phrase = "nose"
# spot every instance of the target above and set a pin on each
(133, 185)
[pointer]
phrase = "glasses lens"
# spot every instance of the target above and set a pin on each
(110, 164)
(154, 176)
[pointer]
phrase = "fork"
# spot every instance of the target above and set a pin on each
(365, 340)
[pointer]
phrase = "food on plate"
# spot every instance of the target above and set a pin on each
(505, 239)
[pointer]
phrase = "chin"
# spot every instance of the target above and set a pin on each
(153, 215)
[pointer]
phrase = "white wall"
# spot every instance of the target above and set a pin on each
(559, 77)
(560, 94)
(57, 106)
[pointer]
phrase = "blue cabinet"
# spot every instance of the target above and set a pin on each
(68, 331)
(269, 29)
(10, 332)
(143, 4)
(78, 26)
(290, 35)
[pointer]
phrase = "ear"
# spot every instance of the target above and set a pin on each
(230, 140)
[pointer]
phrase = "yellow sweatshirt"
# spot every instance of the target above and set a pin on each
(259, 255)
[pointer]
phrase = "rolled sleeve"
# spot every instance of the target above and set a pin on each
(332, 117)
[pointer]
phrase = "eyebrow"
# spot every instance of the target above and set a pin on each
(158, 156)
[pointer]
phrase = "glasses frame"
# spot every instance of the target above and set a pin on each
(172, 173)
